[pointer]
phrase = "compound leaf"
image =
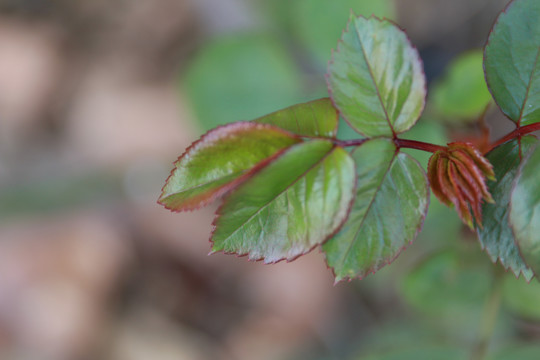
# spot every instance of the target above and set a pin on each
(314, 118)
(220, 161)
(375, 78)
(512, 61)
(392, 199)
(525, 210)
(292, 205)
(496, 235)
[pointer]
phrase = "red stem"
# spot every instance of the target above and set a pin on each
(347, 143)
(418, 145)
(400, 143)
(517, 133)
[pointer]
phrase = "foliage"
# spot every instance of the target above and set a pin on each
(462, 93)
(289, 185)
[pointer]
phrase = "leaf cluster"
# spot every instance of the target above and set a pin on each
(289, 184)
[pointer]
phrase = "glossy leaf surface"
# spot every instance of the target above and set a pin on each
(290, 206)
(375, 78)
(496, 235)
(391, 202)
(314, 118)
(525, 210)
(220, 161)
(512, 61)
(462, 93)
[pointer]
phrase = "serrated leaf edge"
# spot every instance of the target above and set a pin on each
(224, 189)
(497, 259)
(404, 247)
(331, 62)
(495, 23)
(218, 213)
(514, 184)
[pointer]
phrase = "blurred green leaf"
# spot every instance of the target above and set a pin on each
(290, 206)
(512, 61)
(524, 215)
(422, 352)
(318, 24)
(376, 79)
(448, 289)
(395, 335)
(46, 195)
(462, 93)
(220, 161)
(496, 236)
(391, 202)
(240, 78)
(522, 298)
(518, 352)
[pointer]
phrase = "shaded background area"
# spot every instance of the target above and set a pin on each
(98, 98)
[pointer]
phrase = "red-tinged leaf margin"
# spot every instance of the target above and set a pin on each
(261, 259)
(494, 257)
(203, 200)
(504, 11)
(535, 271)
(420, 223)
(418, 229)
(336, 50)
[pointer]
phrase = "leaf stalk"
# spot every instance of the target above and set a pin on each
(517, 133)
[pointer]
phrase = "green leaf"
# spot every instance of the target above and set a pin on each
(522, 298)
(462, 93)
(318, 23)
(241, 78)
(391, 202)
(292, 205)
(221, 160)
(512, 61)
(525, 210)
(445, 287)
(496, 235)
(518, 352)
(314, 118)
(61, 192)
(421, 352)
(375, 78)
(345, 132)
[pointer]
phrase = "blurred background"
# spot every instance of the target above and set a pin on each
(98, 99)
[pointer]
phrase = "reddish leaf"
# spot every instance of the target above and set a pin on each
(220, 161)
